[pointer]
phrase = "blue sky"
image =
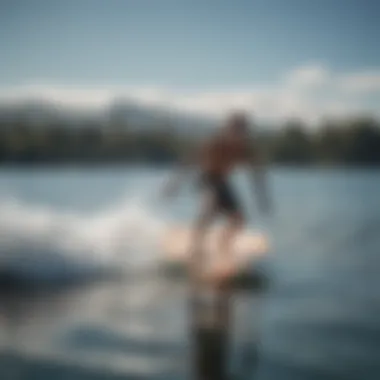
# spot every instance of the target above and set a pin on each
(186, 45)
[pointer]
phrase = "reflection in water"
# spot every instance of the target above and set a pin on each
(122, 325)
(125, 326)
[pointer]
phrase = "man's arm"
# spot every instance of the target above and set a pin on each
(174, 182)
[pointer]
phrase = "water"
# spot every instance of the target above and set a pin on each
(318, 320)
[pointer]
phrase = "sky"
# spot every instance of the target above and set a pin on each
(273, 58)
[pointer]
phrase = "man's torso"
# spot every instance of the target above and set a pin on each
(219, 156)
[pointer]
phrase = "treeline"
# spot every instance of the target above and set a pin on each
(354, 141)
(335, 142)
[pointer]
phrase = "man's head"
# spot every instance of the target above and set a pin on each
(237, 125)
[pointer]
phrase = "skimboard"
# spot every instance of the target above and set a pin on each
(248, 246)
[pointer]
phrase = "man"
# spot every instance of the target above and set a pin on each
(216, 159)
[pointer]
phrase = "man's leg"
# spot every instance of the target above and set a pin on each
(208, 210)
(234, 225)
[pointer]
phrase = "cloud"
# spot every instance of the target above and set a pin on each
(307, 92)
(309, 76)
(362, 82)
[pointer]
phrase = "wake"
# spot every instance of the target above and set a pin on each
(41, 242)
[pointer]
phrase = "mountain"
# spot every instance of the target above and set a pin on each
(136, 116)
(123, 113)
(42, 113)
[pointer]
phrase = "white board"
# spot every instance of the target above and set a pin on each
(247, 247)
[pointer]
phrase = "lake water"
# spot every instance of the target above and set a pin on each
(318, 320)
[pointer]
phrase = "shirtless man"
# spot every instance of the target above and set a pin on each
(216, 159)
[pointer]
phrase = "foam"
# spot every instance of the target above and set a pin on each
(39, 238)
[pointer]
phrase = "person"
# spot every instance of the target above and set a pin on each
(216, 158)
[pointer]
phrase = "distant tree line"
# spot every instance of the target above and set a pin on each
(355, 141)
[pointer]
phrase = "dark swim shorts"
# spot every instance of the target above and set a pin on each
(225, 197)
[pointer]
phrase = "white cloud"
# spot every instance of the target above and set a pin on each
(309, 76)
(67, 96)
(362, 82)
(307, 92)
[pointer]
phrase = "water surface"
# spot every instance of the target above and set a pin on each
(319, 318)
